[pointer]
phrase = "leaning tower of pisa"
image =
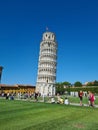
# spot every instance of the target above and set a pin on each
(46, 76)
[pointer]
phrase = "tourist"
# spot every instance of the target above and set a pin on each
(66, 101)
(52, 100)
(81, 97)
(36, 95)
(60, 100)
(92, 99)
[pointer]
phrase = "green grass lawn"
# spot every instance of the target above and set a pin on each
(25, 115)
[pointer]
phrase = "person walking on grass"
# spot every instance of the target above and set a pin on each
(88, 96)
(36, 95)
(81, 97)
(92, 99)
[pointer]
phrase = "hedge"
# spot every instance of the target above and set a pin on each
(77, 89)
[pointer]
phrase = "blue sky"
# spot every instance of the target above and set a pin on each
(75, 23)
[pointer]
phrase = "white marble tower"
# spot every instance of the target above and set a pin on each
(47, 65)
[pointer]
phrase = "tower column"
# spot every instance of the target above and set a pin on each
(46, 76)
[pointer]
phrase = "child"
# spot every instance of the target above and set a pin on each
(52, 100)
(66, 101)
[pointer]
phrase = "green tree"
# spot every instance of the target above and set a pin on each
(67, 84)
(78, 84)
(60, 87)
(89, 84)
(95, 83)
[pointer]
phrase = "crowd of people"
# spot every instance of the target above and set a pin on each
(90, 96)
(60, 100)
(19, 95)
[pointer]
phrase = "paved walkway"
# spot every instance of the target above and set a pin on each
(86, 105)
(74, 104)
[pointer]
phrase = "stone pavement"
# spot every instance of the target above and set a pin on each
(85, 105)
(74, 104)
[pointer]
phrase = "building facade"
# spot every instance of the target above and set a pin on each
(4, 88)
(46, 77)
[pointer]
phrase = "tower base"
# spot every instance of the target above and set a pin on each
(45, 89)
